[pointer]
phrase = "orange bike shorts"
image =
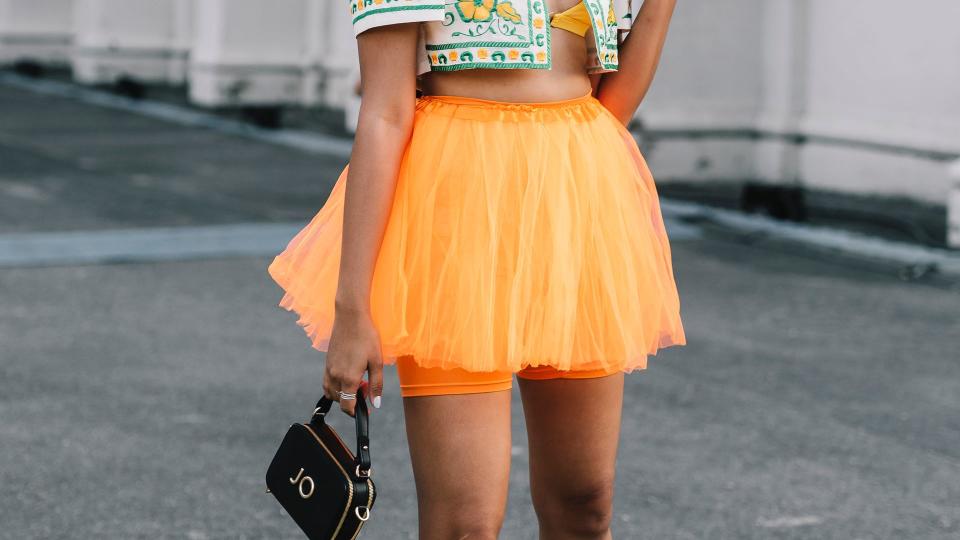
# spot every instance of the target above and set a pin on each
(420, 381)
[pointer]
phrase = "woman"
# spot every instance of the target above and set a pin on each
(503, 223)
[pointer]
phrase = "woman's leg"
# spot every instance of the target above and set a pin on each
(574, 428)
(460, 447)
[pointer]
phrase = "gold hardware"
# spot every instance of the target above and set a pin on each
(366, 513)
(345, 475)
(267, 490)
(364, 474)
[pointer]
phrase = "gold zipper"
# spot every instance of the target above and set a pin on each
(369, 484)
(369, 503)
(347, 476)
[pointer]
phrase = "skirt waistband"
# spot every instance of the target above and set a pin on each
(507, 105)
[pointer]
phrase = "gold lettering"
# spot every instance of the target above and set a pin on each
(297, 479)
(304, 493)
(301, 480)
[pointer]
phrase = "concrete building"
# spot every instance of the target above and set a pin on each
(257, 53)
(145, 40)
(35, 31)
(249, 52)
(860, 97)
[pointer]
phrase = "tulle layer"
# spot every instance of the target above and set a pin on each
(520, 235)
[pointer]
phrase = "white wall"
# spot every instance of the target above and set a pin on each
(886, 71)
(250, 52)
(148, 40)
(874, 84)
(35, 30)
(709, 74)
(333, 66)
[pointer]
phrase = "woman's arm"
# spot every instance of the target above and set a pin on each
(622, 91)
(387, 74)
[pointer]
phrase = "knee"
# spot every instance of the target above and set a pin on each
(475, 531)
(584, 510)
(463, 524)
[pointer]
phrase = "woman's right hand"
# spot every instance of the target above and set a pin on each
(354, 348)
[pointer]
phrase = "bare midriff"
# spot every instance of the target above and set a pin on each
(567, 79)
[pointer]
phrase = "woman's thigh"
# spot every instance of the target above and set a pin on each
(573, 426)
(460, 450)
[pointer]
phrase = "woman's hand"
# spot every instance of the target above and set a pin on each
(354, 349)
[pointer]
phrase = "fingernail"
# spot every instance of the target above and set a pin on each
(376, 402)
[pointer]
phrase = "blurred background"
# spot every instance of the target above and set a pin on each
(155, 154)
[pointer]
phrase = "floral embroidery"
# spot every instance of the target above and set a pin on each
(475, 10)
(483, 10)
(507, 11)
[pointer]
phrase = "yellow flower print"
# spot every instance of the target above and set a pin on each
(483, 54)
(506, 11)
(475, 10)
(541, 56)
(538, 23)
(453, 55)
(513, 54)
(611, 15)
(378, 2)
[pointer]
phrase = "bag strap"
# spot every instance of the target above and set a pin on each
(362, 417)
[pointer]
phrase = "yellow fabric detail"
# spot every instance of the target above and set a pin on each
(576, 20)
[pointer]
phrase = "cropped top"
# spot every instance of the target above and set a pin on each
(503, 34)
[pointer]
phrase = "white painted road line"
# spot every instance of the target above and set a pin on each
(161, 244)
(839, 240)
(144, 245)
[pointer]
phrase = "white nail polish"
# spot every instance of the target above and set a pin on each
(376, 402)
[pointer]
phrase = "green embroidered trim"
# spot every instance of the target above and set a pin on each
(493, 65)
(549, 32)
(377, 11)
(467, 45)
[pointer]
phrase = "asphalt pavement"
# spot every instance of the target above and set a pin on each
(818, 397)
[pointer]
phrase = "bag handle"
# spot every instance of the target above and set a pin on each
(361, 414)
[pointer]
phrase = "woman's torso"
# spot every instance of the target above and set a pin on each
(566, 79)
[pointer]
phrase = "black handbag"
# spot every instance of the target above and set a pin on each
(318, 481)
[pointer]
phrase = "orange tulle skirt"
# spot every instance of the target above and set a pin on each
(521, 234)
